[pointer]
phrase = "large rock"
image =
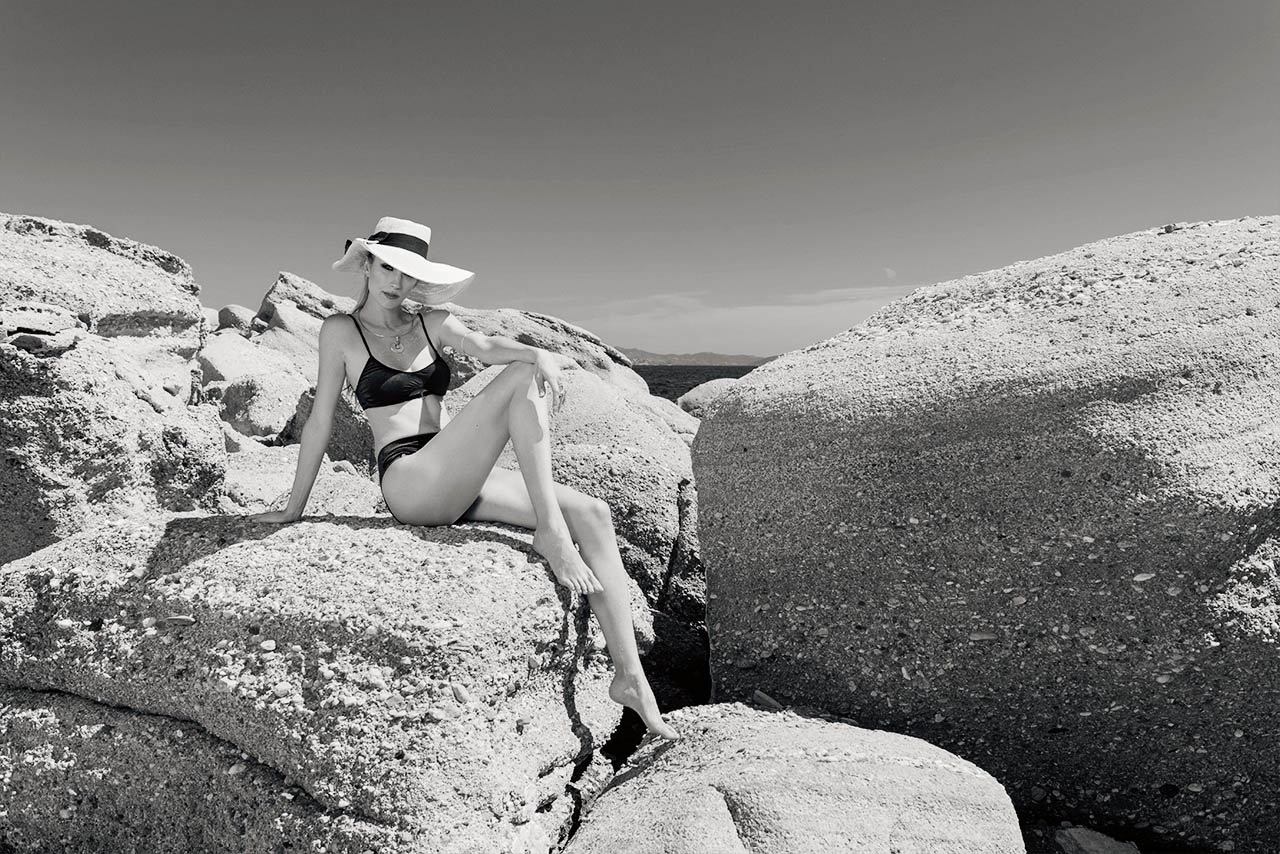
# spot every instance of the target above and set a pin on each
(681, 423)
(1015, 514)
(233, 316)
(698, 400)
(228, 355)
(304, 295)
(115, 286)
(350, 438)
(259, 387)
(87, 434)
(742, 780)
(76, 775)
(434, 680)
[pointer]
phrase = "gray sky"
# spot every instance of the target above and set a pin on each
(738, 177)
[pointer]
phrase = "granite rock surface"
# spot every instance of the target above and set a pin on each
(113, 285)
(435, 681)
(698, 400)
(1026, 516)
(744, 780)
(87, 432)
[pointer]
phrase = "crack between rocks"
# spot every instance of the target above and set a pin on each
(734, 809)
(682, 519)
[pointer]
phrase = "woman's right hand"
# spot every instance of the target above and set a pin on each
(274, 517)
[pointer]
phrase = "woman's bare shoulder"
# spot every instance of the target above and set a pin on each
(336, 328)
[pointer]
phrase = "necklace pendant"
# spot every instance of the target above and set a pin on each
(396, 345)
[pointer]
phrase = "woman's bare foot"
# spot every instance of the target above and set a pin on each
(635, 694)
(567, 565)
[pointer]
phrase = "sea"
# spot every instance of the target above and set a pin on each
(671, 381)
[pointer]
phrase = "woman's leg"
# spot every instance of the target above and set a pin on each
(504, 498)
(438, 482)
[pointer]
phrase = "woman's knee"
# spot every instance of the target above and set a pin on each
(588, 514)
(519, 371)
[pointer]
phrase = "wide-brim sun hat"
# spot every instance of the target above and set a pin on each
(403, 244)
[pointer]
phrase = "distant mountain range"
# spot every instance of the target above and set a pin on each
(644, 357)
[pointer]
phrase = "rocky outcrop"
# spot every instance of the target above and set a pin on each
(433, 681)
(114, 286)
(742, 780)
(96, 394)
(698, 400)
(87, 432)
(1005, 514)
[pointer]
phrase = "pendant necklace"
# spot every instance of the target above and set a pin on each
(395, 345)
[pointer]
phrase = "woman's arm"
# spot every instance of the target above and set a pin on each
(319, 425)
(501, 350)
(490, 349)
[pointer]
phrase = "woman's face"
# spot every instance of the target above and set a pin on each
(388, 285)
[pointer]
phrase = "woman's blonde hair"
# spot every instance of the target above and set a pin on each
(364, 295)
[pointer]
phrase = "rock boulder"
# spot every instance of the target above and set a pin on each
(435, 681)
(86, 434)
(1015, 514)
(743, 780)
(698, 400)
(114, 286)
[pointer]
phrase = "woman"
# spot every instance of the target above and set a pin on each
(436, 470)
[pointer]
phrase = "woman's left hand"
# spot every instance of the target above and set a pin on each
(546, 375)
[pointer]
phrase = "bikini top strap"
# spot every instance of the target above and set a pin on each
(361, 331)
(434, 349)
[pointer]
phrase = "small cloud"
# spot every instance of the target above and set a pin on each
(890, 273)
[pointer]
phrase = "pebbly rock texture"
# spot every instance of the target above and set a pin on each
(86, 433)
(432, 681)
(699, 400)
(684, 425)
(743, 780)
(1016, 515)
(114, 286)
(76, 775)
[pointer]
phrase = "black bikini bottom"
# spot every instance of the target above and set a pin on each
(397, 448)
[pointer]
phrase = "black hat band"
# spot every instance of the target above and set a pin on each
(398, 240)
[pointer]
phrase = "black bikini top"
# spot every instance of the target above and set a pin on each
(383, 385)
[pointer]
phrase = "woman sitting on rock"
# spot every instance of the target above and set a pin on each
(438, 470)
